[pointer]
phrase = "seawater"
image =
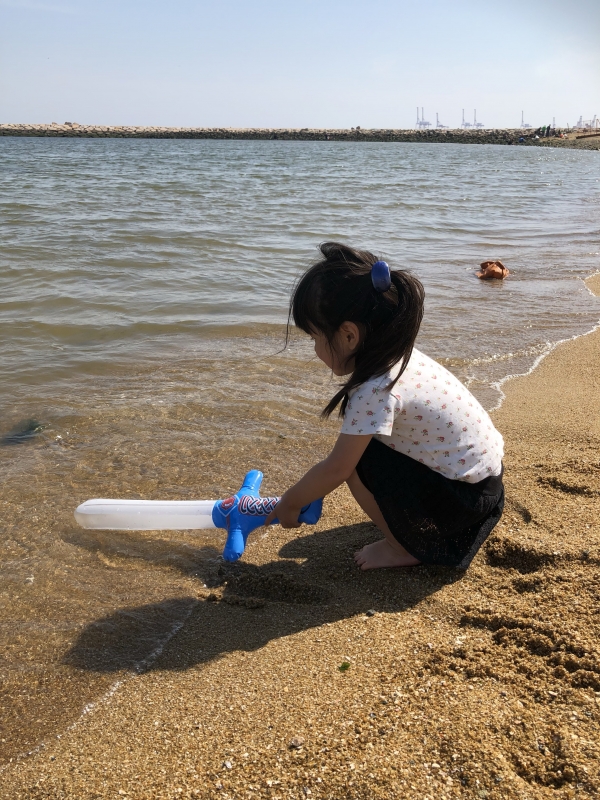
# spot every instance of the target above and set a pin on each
(143, 302)
(120, 254)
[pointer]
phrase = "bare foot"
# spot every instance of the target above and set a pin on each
(383, 554)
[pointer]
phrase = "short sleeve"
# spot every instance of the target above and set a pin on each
(371, 410)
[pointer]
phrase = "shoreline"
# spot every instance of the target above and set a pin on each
(506, 136)
(483, 684)
(592, 283)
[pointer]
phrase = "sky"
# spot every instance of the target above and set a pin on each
(307, 63)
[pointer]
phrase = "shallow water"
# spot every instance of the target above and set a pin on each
(144, 289)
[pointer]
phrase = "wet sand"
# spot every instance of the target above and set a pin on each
(293, 675)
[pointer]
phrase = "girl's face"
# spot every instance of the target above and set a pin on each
(339, 357)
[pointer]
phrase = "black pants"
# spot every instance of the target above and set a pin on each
(437, 520)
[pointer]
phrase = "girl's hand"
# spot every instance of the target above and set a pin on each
(321, 479)
(286, 513)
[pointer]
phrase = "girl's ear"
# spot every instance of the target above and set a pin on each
(350, 335)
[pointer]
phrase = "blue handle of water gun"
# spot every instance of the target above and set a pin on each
(235, 544)
(237, 534)
(309, 514)
(226, 514)
(251, 483)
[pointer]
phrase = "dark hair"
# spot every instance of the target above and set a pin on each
(338, 289)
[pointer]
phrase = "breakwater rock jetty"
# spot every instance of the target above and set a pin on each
(457, 136)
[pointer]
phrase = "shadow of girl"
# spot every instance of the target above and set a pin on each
(249, 605)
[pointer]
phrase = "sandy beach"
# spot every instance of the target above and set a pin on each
(296, 676)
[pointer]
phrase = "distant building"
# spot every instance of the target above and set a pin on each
(422, 123)
(523, 123)
(588, 124)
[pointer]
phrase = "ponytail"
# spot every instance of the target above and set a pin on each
(338, 289)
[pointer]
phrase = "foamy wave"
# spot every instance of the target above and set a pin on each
(549, 348)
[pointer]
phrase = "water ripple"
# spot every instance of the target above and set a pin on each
(140, 244)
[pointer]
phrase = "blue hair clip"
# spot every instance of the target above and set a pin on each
(380, 276)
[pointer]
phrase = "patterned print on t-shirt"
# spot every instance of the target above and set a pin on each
(430, 416)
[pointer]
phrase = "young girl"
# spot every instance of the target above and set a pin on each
(418, 452)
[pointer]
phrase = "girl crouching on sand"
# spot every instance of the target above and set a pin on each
(418, 452)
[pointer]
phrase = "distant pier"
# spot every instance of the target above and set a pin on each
(505, 136)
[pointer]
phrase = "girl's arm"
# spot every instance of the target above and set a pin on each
(321, 479)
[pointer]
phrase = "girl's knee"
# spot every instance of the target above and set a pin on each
(358, 490)
(353, 481)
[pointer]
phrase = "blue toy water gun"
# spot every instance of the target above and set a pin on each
(239, 515)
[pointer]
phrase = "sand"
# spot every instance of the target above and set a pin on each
(296, 676)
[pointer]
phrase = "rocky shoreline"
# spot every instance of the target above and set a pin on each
(457, 136)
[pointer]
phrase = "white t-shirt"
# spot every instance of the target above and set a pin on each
(430, 416)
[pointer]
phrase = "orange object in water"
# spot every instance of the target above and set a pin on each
(492, 270)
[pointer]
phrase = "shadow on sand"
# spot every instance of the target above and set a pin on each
(245, 605)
